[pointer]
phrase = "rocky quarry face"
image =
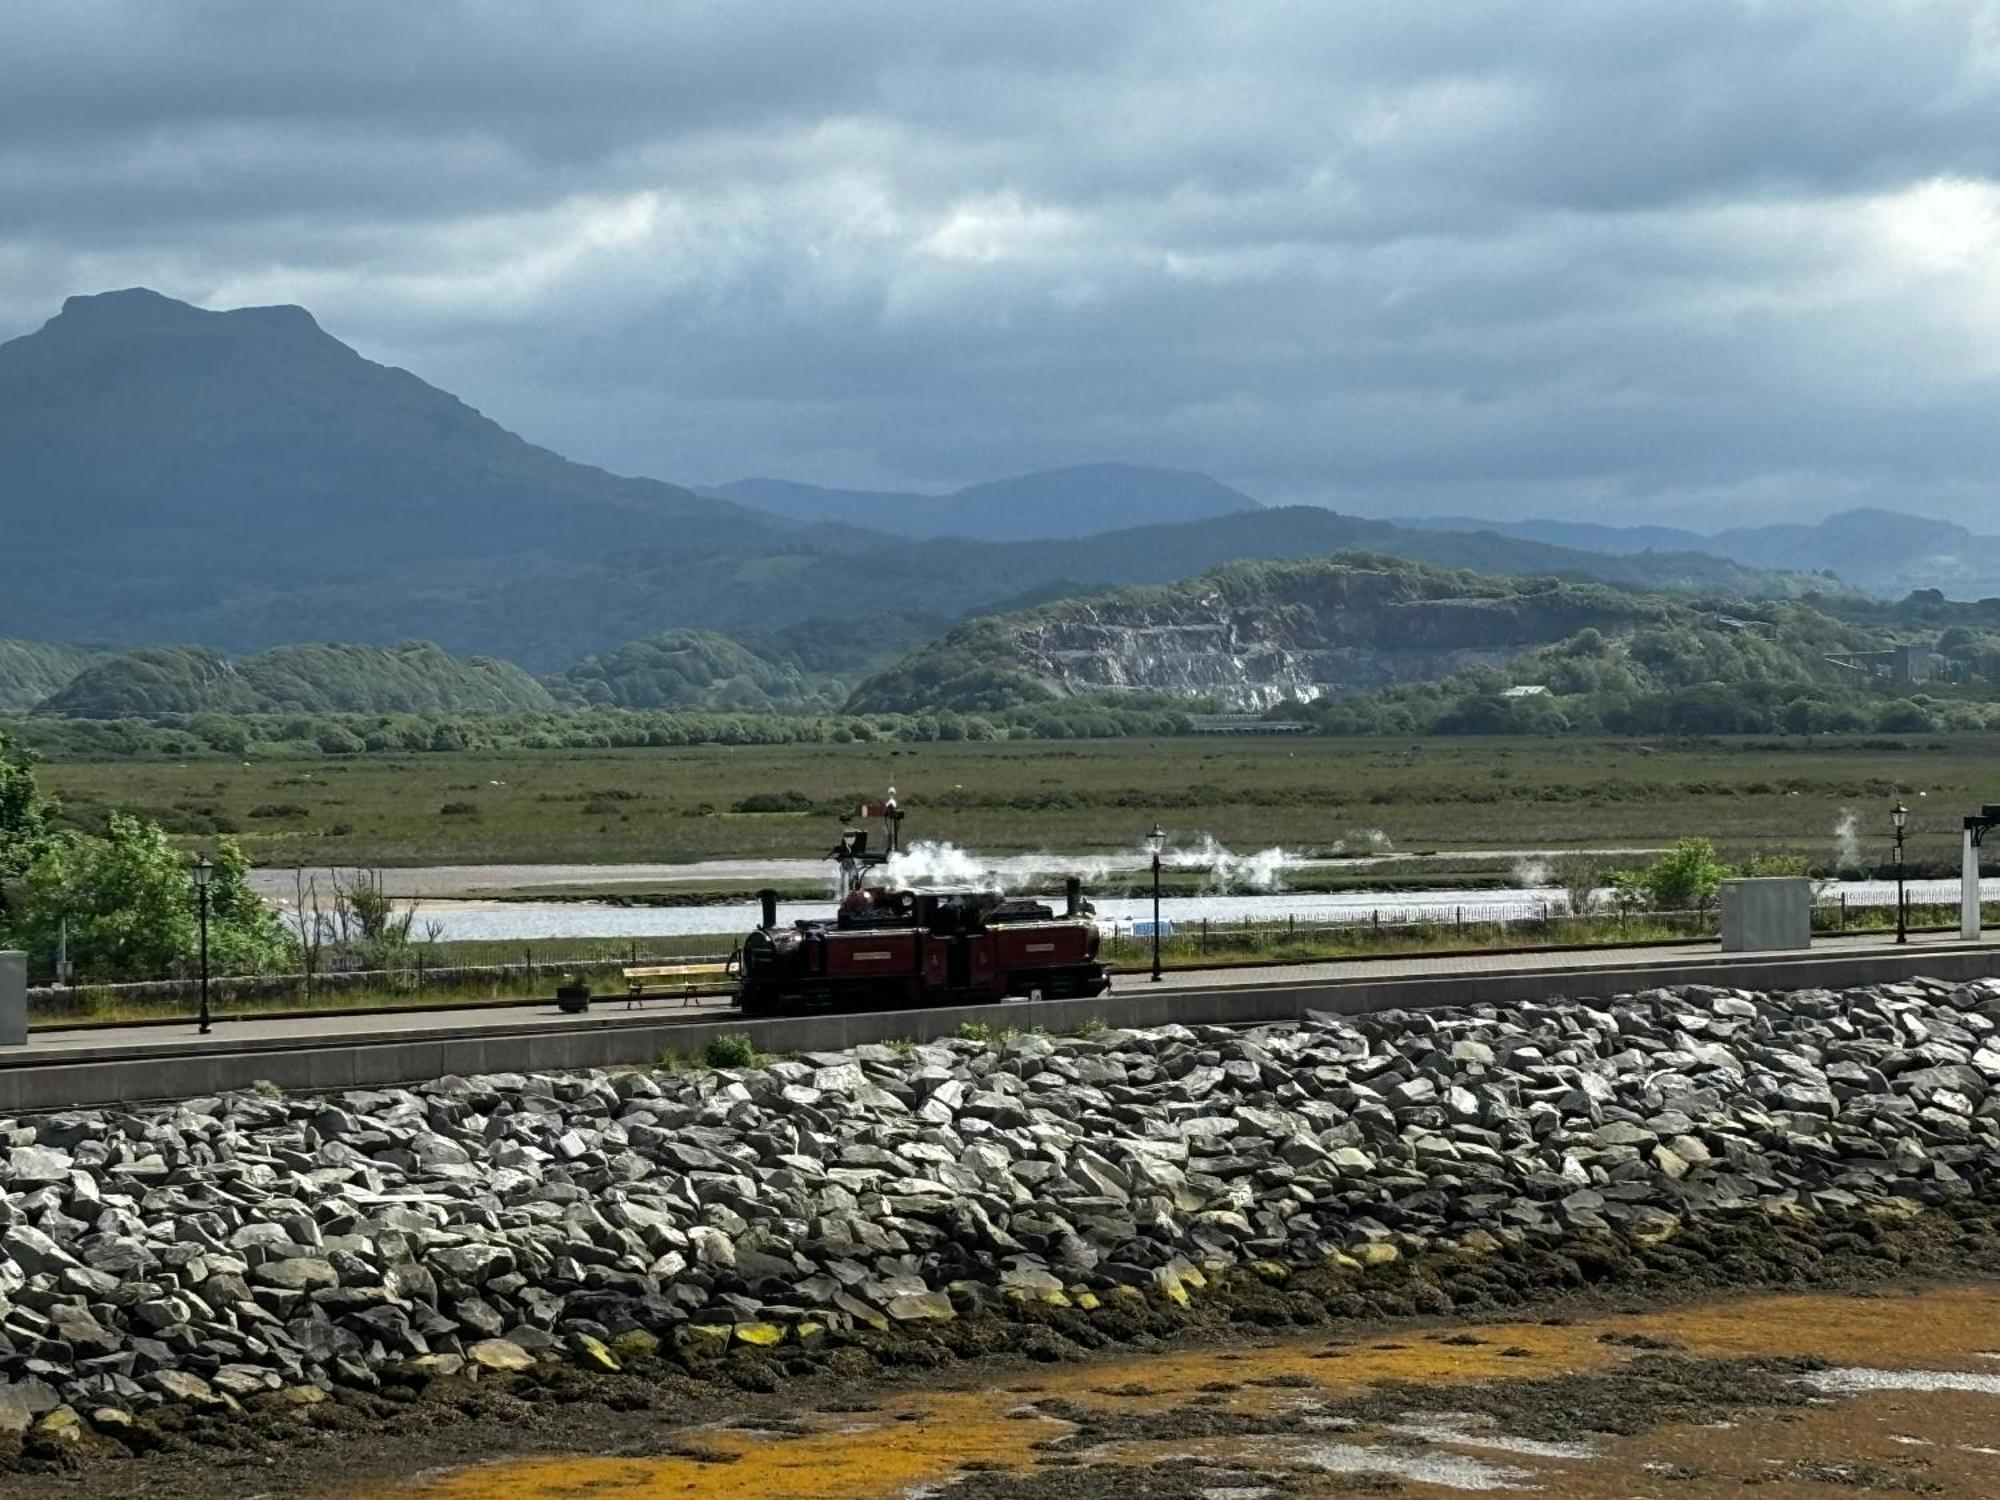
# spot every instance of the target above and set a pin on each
(1349, 631)
(219, 1249)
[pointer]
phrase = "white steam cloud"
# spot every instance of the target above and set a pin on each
(928, 863)
(1846, 839)
(1262, 871)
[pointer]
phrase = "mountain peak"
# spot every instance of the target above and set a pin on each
(139, 308)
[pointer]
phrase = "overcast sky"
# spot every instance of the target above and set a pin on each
(1688, 262)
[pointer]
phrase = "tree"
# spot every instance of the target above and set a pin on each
(23, 813)
(129, 902)
(1685, 878)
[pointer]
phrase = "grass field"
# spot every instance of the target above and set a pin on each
(1311, 795)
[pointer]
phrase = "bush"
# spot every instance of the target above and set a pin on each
(733, 1049)
(1579, 877)
(1685, 878)
(458, 810)
(280, 810)
(773, 802)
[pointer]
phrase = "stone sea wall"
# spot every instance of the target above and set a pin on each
(263, 1251)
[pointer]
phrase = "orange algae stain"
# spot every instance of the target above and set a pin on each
(859, 1458)
(925, 1437)
(1892, 1329)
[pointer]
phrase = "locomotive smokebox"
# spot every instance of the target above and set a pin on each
(1073, 895)
(768, 900)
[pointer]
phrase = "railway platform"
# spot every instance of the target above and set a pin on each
(308, 1051)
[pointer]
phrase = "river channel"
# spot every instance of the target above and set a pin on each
(528, 920)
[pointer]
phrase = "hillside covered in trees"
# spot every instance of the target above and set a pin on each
(1351, 643)
(185, 680)
(33, 670)
(1360, 643)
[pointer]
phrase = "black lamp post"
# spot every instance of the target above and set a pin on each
(1900, 816)
(202, 870)
(1156, 841)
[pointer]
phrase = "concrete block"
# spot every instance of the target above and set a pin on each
(1766, 914)
(13, 999)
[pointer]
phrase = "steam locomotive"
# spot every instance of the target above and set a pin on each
(889, 947)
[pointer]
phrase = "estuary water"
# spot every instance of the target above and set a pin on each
(493, 920)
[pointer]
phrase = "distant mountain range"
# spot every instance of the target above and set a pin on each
(1889, 553)
(1073, 502)
(240, 480)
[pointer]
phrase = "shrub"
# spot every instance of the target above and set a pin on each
(458, 810)
(1579, 877)
(733, 1049)
(280, 810)
(1685, 878)
(773, 802)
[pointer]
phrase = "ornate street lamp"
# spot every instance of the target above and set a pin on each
(202, 871)
(1900, 816)
(1156, 841)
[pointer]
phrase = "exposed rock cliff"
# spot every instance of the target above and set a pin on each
(1256, 634)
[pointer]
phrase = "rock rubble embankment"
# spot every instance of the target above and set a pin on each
(251, 1248)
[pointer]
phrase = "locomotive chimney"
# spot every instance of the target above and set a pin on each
(1073, 895)
(768, 900)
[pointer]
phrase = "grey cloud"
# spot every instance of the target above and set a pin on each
(1532, 258)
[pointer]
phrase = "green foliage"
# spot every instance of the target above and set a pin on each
(31, 670)
(296, 736)
(1409, 622)
(1749, 669)
(1775, 864)
(129, 900)
(1685, 878)
(688, 669)
(416, 676)
(985, 1033)
(773, 802)
(23, 812)
(733, 1049)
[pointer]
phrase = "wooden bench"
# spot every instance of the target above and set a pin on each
(687, 980)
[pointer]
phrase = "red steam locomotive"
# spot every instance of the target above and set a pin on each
(889, 947)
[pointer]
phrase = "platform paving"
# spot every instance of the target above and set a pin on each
(330, 1026)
